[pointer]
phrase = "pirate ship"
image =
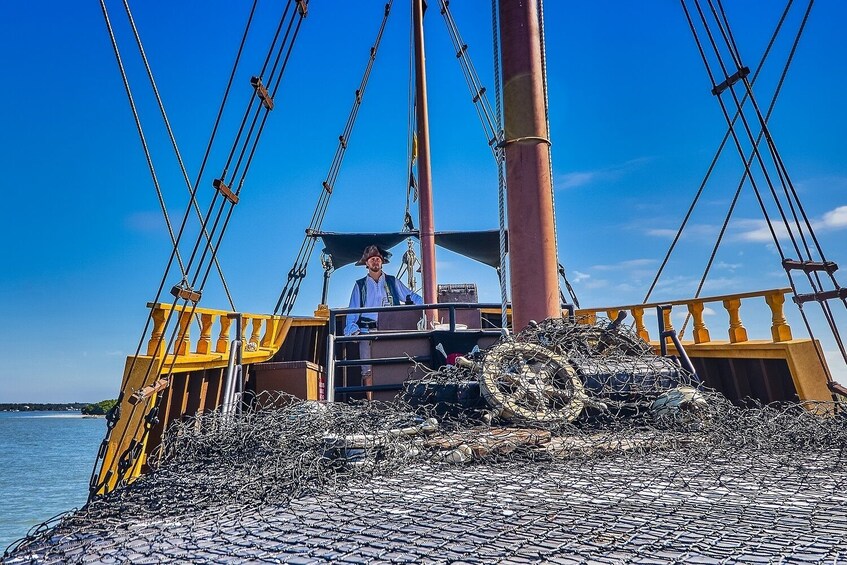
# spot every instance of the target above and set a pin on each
(195, 359)
(259, 484)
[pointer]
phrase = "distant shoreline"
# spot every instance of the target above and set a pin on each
(42, 407)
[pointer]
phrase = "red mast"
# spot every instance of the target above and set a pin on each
(427, 223)
(529, 198)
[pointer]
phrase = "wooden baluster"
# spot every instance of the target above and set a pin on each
(223, 338)
(701, 332)
(638, 315)
(612, 314)
(244, 337)
(780, 330)
(666, 316)
(737, 332)
(270, 331)
(182, 346)
(156, 345)
(204, 344)
(255, 332)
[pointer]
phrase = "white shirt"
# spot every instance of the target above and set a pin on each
(376, 295)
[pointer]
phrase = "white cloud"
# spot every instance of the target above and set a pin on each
(758, 231)
(834, 219)
(579, 276)
(576, 179)
(623, 265)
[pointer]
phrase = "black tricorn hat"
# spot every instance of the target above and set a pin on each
(373, 251)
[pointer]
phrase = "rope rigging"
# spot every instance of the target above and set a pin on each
(725, 60)
(188, 291)
(289, 293)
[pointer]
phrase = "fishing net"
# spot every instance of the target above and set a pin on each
(568, 443)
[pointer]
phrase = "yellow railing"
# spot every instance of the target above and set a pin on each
(737, 333)
(262, 336)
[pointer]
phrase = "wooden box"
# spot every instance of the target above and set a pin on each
(302, 379)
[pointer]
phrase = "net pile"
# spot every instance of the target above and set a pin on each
(488, 461)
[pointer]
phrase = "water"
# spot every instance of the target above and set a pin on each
(45, 463)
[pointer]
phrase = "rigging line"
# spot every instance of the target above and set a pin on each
(169, 317)
(291, 289)
(751, 138)
(411, 155)
(285, 47)
(749, 160)
(225, 202)
(253, 99)
(477, 90)
(716, 157)
(180, 331)
(753, 184)
(146, 148)
(746, 125)
(172, 137)
(501, 165)
(541, 35)
(267, 112)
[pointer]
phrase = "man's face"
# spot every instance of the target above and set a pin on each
(374, 264)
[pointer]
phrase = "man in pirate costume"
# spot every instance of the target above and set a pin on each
(375, 289)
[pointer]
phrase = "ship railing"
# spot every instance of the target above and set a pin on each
(215, 331)
(696, 309)
(334, 340)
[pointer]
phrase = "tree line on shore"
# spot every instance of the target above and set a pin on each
(95, 409)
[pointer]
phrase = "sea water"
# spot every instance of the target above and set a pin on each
(45, 464)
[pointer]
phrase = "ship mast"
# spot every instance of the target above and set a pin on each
(426, 221)
(532, 246)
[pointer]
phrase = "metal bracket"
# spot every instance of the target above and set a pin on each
(262, 92)
(742, 73)
(221, 187)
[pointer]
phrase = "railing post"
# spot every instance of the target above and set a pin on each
(701, 332)
(638, 316)
(183, 345)
(223, 338)
(270, 331)
(737, 332)
(156, 345)
(666, 317)
(204, 343)
(780, 330)
(255, 332)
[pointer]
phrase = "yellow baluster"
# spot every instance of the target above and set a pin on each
(780, 330)
(204, 344)
(638, 315)
(223, 338)
(255, 332)
(666, 316)
(701, 332)
(156, 345)
(737, 332)
(182, 346)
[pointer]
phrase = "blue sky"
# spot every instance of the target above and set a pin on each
(633, 127)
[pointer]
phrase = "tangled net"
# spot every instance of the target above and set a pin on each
(458, 469)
